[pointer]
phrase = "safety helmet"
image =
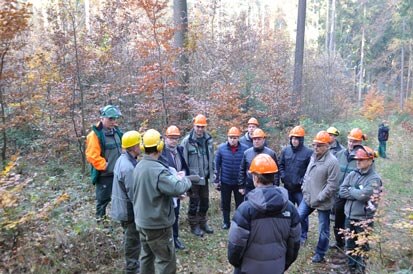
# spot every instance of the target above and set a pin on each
(322, 137)
(297, 131)
(130, 139)
(258, 133)
(110, 111)
(152, 138)
(253, 121)
(334, 131)
(263, 164)
(356, 134)
(364, 152)
(200, 120)
(234, 132)
(172, 131)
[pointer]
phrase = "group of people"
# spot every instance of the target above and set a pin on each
(270, 222)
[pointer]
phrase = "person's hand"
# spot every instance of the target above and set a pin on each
(242, 191)
(182, 196)
(180, 175)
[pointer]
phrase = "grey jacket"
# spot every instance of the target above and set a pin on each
(153, 189)
(360, 188)
(265, 232)
(336, 148)
(320, 182)
(199, 163)
(122, 208)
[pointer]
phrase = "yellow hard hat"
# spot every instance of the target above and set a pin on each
(334, 131)
(130, 139)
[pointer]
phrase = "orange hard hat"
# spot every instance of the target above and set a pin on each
(263, 164)
(258, 133)
(200, 120)
(297, 131)
(234, 132)
(172, 131)
(364, 152)
(356, 134)
(322, 137)
(253, 121)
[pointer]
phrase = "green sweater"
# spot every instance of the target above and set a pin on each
(153, 189)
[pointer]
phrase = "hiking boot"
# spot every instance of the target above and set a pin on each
(205, 227)
(317, 258)
(197, 231)
(178, 244)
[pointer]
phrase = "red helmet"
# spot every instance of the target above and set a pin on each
(365, 152)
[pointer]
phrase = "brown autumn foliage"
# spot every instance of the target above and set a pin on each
(373, 105)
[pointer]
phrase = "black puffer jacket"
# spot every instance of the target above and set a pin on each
(265, 232)
(293, 164)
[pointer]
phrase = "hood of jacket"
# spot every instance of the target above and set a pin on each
(268, 198)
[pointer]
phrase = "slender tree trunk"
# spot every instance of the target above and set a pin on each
(3, 113)
(299, 54)
(402, 68)
(331, 43)
(361, 68)
(409, 74)
(87, 15)
(327, 39)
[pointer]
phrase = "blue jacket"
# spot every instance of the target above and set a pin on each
(227, 163)
(166, 158)
(245, 178)
(293, 164)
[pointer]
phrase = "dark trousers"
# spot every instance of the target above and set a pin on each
(132, 247)
(198, 200)
(175, 226)
(103, 195)
(339, 220)
(357, 259)
(226, 193)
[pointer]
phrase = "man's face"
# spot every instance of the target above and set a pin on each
(320, 149)
(233, 140)
(251, 128)
(109, 123)
(171, 141)
(351, 143)
(199, 131)
(332, 138)
(295, 141)
(258, 142)
(364, 164)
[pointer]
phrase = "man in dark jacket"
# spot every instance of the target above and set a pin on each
(247, 139)
(227, 163)
(264, 236)
(245, 183)
(383, 136)
(172, 155)
(335, 146)
(122, 207)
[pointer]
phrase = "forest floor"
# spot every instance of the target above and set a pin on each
(47, 224)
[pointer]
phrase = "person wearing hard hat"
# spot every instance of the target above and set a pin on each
(103, 148)
(335, 146)
(347, 164)
(252, 125)
(227, 164)
(361, 189)
(245, 182)
(153, 189)
(265, 232)
(122, 207)
(320, 185)
(172, 156)
(199, 155)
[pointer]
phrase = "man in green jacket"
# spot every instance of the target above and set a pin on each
(199, 156)
(154, 187)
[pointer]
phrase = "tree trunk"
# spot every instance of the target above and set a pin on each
(299, 54)
(409, 74)
(402, 69)
(361, 68)
(3, 113)
(180, 41)
(331, 43)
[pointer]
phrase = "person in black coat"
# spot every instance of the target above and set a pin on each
(383, 136)
(172, 156)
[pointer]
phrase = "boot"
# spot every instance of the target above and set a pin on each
(193, 223)
(203, 223)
